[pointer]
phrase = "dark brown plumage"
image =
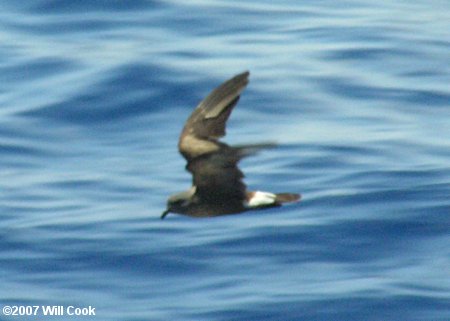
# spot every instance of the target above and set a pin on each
(217, 186)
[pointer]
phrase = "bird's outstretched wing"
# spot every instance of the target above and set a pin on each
(214, 165)
(217, 177)
(207, 122)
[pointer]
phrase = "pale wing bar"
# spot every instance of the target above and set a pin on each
(207, 122)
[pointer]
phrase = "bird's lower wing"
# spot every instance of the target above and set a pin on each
(217, 178)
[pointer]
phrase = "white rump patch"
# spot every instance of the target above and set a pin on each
(261, 199)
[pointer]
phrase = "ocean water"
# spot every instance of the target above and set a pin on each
(93, 95)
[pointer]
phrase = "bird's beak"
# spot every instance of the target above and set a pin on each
(164, 214)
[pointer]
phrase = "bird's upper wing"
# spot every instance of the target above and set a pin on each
(207, 122)
(213, 164)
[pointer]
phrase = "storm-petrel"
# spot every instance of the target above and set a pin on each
(217, 187)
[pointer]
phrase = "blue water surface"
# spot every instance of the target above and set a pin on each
(93, 95)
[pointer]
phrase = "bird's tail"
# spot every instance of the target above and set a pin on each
(287, 198)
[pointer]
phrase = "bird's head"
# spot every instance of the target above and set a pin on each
(179, 203)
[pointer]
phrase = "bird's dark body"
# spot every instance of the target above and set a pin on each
(217, 186)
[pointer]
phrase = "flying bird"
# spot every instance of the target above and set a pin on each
(217, 186)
